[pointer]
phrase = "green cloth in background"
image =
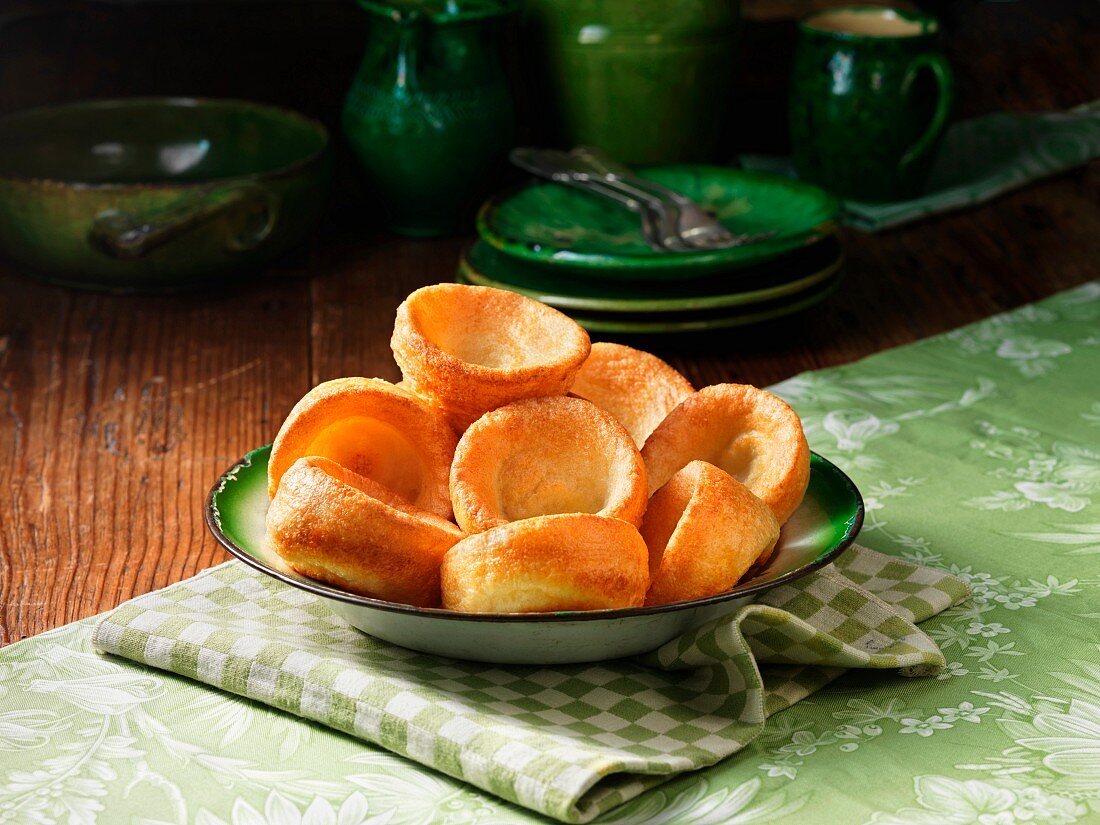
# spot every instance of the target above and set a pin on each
(979, 159)
(977, 454)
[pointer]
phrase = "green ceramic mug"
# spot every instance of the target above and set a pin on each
(870, 98)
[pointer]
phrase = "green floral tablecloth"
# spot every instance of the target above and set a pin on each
(569, 741)
(977, 453)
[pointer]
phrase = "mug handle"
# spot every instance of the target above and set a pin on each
(945, 81)
(127, 236)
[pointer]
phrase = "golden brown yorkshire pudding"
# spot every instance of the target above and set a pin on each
(751, 434)
(638, 388)
(703, 530)
(376, 430)
(544, 456)
(471, 349)
(336, 526)
(547, 563)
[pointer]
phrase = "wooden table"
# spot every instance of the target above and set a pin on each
(117, 413)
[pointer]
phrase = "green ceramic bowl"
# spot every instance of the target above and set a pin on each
(788, 275)
(151, 193)
(820, 530)
(562, 227)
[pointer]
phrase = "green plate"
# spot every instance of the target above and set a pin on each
(692, 322)
(708, 321)
(551, 224)
(820, 530)
(789, 274)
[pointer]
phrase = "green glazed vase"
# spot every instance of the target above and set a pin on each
(646, 82)
(870, 98)
(429, 114)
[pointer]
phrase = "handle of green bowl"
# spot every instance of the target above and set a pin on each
(130, 235)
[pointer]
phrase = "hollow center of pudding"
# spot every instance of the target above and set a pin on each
(499, 339)
(739, 457)
(544, 482)
(373, 449)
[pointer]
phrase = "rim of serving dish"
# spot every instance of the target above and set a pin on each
(213, 523)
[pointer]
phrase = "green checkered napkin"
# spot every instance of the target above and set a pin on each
(979, 159)
(570, 741)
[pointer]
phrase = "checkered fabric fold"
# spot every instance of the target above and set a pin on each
(571, 741)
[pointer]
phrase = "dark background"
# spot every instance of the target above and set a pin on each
(1022, 55)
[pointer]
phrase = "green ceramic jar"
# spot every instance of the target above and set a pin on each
(646, 82)
(429, 114)
(870, 98)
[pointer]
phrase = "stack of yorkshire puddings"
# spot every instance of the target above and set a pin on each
(518, 468)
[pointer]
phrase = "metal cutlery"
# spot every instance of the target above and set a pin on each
(697, 227)
(658, 225)
(670, 220)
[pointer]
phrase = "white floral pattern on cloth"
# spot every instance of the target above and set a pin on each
(984, 649)
(1025, 469)
(700, 805)
(941, 799)
(1020, 338)
(854, 428)
(1059, 475)
(277, 810)
(1008, 732)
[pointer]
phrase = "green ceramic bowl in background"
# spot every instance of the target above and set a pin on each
(155, 193)
(822, 528)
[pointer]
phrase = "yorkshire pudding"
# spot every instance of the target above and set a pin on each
(332, 524)
(376, 430)
(703, 530)
(471, 349)
(544, 456)
(751, 434)
(638, 388)
(547, 563)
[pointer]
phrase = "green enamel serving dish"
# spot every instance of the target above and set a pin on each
(561, 227)
(152, 193)
(789, 275)
(820, 530)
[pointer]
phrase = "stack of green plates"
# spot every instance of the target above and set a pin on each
(587, 257)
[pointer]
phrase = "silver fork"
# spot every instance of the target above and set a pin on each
(697, 227)
(650, 222)
(659, 224)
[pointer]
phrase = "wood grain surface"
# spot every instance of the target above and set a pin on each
(118, 412)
